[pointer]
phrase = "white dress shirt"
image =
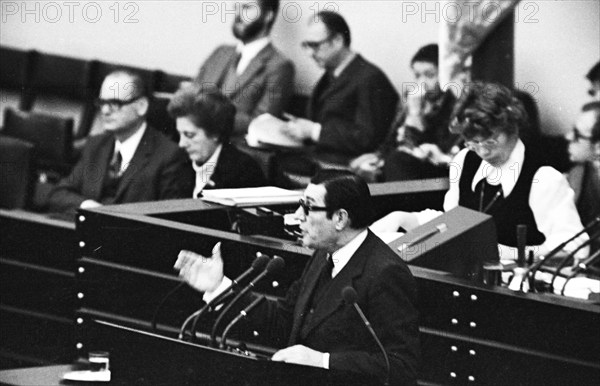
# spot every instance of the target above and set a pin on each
(205, 171)
(249, 52)
(551, 200)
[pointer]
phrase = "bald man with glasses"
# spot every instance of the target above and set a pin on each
(130, 161)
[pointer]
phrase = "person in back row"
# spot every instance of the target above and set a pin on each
(584, 152)
(205, 120)
(352, 105)
(253, 74)
(498, 175)
(419, 144)
(130, 162)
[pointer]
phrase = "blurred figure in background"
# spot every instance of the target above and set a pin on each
(584, 152)
(253, 74)
(419, 144)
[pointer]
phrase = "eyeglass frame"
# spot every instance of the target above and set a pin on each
(115, 104)
(307, 208)
(489, 144)
(315, 46)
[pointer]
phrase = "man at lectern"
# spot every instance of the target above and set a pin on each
(314, 324)
(498, 175)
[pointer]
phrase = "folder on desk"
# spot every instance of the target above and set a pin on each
(266, 195)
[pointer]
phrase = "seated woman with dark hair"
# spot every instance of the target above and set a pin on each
(205, 120)
(419, 144)
(498, 175)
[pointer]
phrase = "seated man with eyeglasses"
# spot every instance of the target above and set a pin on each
(498, 175)
(130, 162)
(353, 104)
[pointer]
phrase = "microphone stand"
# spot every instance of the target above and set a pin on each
(581, 266)
(244, 313)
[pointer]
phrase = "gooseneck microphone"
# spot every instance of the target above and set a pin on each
(243, 313)
(257, 265)
(275, 265)
(543, 259)
(570, 256)
(581, 267)
(350, 296)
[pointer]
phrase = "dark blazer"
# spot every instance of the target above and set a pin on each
(266, 86)
(355, 111)
(159, 170)
(386, 293)
(236, 169)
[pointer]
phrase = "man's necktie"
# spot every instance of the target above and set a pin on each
(114, 167)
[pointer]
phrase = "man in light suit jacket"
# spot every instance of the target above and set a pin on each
(130, 162)
(352, 105)
(254, 75)
(205, 122)
(313, 323)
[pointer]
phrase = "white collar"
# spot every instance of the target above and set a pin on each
(250, 51)
(342, 66)
(342, 256)
(128, 147)
(506, 174)
(205, 171)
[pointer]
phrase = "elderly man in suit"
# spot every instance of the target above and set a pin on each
(353, 104)
(313, 323)
(253, 74)
(205, 122)
(130, 162)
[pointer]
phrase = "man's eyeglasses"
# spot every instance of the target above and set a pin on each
(114, 104)
(576, 136)
(315, 46)
(307, 208)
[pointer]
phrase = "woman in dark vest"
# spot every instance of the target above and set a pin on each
(496, 174)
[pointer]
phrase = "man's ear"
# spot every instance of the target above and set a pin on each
(342, 219)
(142, 106)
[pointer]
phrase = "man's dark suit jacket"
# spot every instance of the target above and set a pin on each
(355, 110)
(236, 169)
(266, 85)
(159, 170)
(386, 293)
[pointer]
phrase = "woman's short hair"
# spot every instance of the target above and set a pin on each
(486, 109)
(207, 108)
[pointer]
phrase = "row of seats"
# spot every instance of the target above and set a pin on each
(47, 111)
(57, 85)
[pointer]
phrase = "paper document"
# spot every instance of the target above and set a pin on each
(266, 195)
(267, 129)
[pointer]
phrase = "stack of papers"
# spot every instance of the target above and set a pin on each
(267, 129)
(266, 195)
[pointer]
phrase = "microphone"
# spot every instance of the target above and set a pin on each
(440, 228)
(580, 267)
(535, 267)
(274, 266)
(258, 264)
(243, 313)
(350, 296)
(569, 257)
(521, 243)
